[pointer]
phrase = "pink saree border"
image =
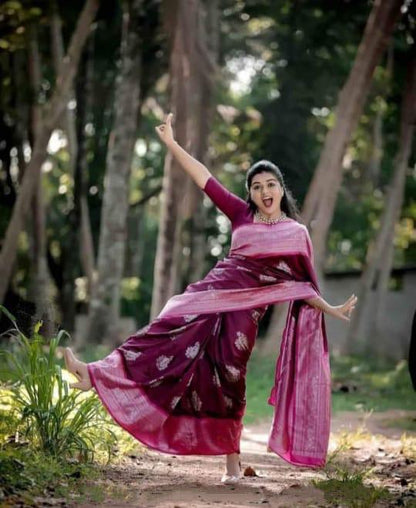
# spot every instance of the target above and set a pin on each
(300, 428)
(129, 406)
(217, 300)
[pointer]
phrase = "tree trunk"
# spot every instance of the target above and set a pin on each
(67, 120)
(208, 35)
(40, 280)
(79, 231)
(84, 101)
(320, 201)
(270, 343)
(407, 129)
(376, 275)
(50, 115)
(103, 319)
(21, 107)
(374, 165)
(180, 20)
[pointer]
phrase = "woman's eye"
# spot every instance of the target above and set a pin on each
(271, 184)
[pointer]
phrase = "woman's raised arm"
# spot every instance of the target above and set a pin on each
(197, 171)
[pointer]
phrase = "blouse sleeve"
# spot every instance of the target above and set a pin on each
(230, 204)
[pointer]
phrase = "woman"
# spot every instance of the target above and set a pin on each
(178, 385)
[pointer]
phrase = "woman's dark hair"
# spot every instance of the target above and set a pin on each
(288, 203)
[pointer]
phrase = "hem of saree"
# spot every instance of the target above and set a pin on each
(217, 300)
(129, 406)
(298, 460)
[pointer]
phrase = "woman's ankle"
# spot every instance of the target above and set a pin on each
(233, 464)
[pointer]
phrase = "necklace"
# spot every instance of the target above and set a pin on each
(261, 218)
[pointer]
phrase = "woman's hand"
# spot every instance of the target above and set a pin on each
(343, 311)
(165, 131)
(197, 171)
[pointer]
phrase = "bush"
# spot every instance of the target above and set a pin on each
(60, 422)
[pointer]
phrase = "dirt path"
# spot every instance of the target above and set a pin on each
(157, 480)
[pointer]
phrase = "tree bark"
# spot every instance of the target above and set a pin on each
(84, 100)
(208, 36)
(180, 21)
(396, 197)
(320, 201)
(376, 274)
(68, 116)
(50, 115)
(40, 280)
(374, 165)
(103, 318)
(21, 107)
(79, 231)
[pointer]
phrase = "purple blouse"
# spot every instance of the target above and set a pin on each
(235, 208)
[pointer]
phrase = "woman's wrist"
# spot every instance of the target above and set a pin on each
(170, 143)
(319, 303)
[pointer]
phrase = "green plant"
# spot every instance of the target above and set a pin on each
(349, 490)
(56, 420)
(25, 473)
(345, 485)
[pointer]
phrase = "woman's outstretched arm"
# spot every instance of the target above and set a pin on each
(339, 311)
(197, 171)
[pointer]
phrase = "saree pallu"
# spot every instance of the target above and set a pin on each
(178, 384)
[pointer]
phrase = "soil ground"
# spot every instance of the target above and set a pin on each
(151, 479)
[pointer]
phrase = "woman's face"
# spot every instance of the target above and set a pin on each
(266, 193)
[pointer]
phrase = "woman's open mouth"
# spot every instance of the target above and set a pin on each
(268, 202)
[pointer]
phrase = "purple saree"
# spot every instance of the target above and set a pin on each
(178, 385)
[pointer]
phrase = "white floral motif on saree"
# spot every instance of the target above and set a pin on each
(192, 351)
(174, 402)
(216, 378)
(196, 401)
(189, 317)
(132, 355)
(281, 265)
(163, 361)
(241, 342)
(228, 402)
(267, 278)
(233, 374)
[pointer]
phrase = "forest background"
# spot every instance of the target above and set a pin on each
(95, 217)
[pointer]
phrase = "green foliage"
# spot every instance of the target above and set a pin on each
(344, 482)
(347, 488)
(405, 423)
(260, 379)
(57, 421)
(29, 473)
(372, 385)
(14, 19)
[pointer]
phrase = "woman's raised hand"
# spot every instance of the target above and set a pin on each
(344, 311)
(165, 131)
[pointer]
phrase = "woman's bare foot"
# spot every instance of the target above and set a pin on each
(233, 469)
(79, 369)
